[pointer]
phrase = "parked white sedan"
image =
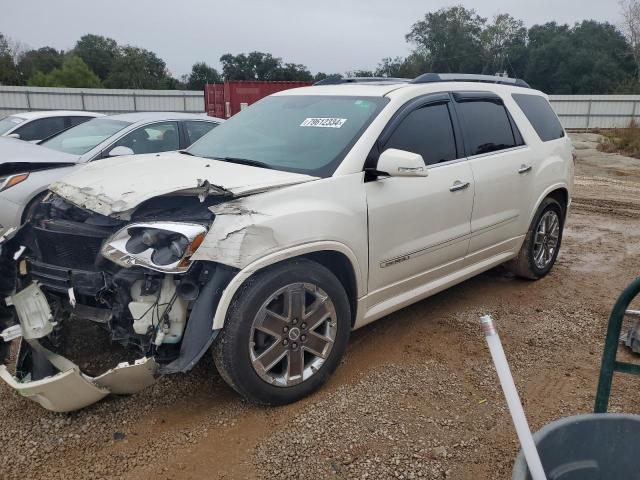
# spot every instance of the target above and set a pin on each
(36, 126)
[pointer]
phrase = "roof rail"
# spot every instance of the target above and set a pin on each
(340, 80)
(469, 77)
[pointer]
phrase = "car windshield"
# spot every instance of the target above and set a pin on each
(297, 133)
(86, 136)
(8, 123)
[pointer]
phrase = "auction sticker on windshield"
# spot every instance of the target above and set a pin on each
(323, 122)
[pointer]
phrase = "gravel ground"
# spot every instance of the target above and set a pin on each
(416, 396)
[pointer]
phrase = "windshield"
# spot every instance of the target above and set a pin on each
(8, 123)
(305, 134)
(80, 139)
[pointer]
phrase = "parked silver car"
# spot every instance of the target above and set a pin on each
(36, 126)
(27, 170)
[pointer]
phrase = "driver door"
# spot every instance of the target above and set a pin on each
(419, 227)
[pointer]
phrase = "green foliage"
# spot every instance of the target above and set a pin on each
(136, 68)
(449, 40)
(9, 74)
(98, 52)
(261, 66)
(201, 74)
(44, 60)
(74, 73)
(504, 45)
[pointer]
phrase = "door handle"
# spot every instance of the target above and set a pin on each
(524, 168)
(458, 185)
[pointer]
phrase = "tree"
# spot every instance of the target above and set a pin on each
(261, 66)
(398, 67)
(136, 68)
(201, 74)
(44, 60)
(631, 27)
(449, 40)
(74, 73)
(98, 52)
(504, 43)
(9, 74)
(323, 76)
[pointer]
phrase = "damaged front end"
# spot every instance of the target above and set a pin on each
(105, 305)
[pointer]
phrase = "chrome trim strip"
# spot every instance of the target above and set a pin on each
(424, 250)
(494, 225)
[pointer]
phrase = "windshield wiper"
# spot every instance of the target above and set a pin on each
(184, 152)
(245, 161)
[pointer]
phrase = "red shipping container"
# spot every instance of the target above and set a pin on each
(223, 100)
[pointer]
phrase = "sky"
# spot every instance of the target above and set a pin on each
(328, 35)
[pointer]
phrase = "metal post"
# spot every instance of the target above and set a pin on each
(82, 99)
(184, 101)
(633, 112)
(589, 113)
(135, 104)
(28, 100)
(609, 363)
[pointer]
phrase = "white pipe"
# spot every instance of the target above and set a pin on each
(513, 399)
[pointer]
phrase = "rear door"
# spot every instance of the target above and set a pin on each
(418, 224)
(503, 172)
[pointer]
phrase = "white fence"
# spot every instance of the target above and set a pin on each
(21, 99)
(575, 111)
(596, 111)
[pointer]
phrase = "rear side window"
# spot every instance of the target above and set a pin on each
(73, 121)
(487, 126)
(41, 129)
(195, 130)
(427, 131)
(539, 113)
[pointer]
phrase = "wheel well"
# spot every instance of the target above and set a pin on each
(341, 267)
(561, 195)
(27, 209)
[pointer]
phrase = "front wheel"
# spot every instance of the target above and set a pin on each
(285, 333)
(542, 242)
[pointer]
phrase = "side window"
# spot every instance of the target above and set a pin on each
(157, 137)
(541, 116)
(487, 126)
(195, 130)
(41, 129)
(427, 131)
(73, 121)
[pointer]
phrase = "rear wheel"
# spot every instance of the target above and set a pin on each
(285, 333)
(542, 242)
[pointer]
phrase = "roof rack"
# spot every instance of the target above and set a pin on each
(339, 80)
(469, 77)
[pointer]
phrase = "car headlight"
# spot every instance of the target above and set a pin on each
(8, 181)
(161, 246)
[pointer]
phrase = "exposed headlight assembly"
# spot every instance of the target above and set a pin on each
(161, 246)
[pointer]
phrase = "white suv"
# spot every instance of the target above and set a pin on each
(309, 214)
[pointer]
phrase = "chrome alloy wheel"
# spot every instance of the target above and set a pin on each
(545, 242)
(292, 334)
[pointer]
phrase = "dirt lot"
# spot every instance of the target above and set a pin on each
(416, 396)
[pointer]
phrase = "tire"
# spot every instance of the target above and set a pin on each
(525, 264)
(262, 323)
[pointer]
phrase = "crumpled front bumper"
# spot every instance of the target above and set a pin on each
(69, 388)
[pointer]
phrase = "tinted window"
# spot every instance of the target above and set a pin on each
(40, 129)
(427, 131)
(195, 130)
(299, 133)
(86, 136)
(78, 120)
(157, 137)
(487, 126)
(541, 116)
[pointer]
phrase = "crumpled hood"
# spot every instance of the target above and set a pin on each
(115, 186)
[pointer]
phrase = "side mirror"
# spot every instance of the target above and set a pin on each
(121, 150)
(400, 163)
(14, 135)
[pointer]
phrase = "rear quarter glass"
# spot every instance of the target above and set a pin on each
(541, 116)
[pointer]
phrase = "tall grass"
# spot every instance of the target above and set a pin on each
(625, 141)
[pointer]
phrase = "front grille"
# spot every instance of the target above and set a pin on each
(68, 249)
(60, 279)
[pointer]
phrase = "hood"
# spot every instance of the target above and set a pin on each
(19, 156)
(117, 185)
